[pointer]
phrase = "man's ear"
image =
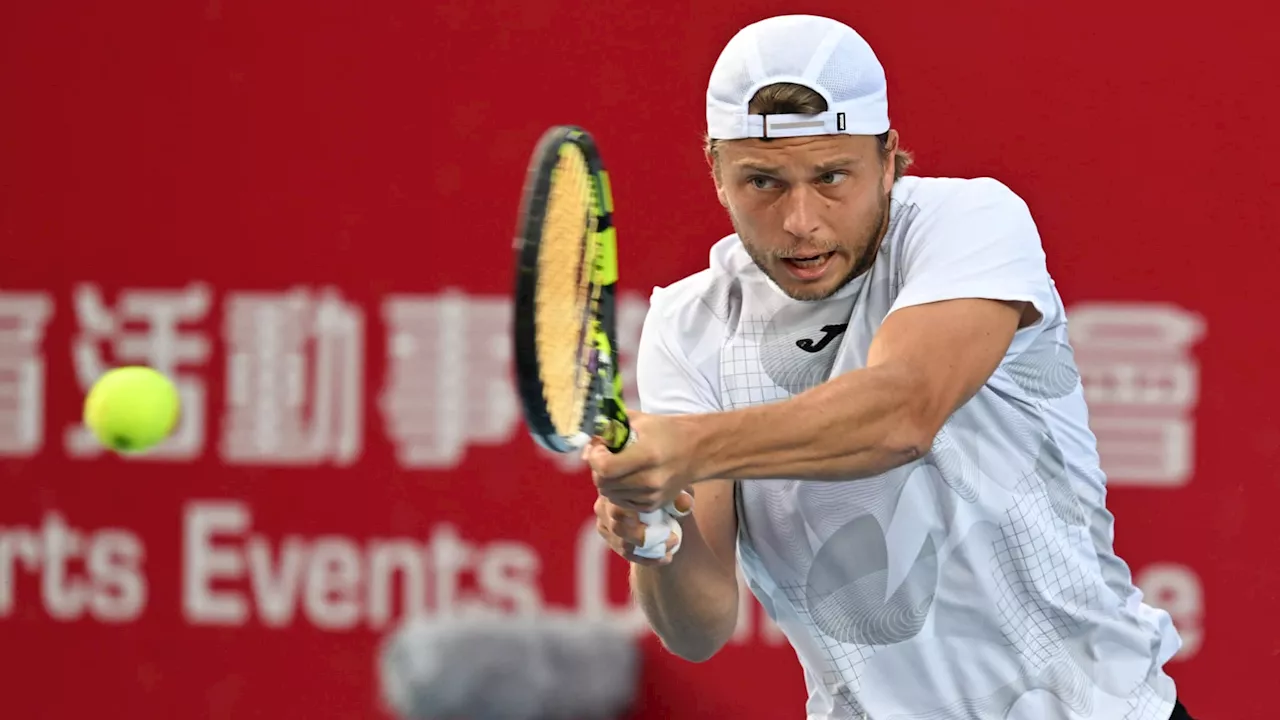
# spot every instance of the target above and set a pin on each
(715, 177)
(890, 159)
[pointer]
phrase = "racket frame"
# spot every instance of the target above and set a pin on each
(605, 413)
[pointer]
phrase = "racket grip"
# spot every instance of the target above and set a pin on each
(616, 434)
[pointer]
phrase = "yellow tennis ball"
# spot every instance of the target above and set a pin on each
(132, 409)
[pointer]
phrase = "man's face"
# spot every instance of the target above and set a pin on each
(810, 211)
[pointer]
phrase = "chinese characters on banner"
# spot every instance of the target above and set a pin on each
(1142, 382)
(23, 317)
(296, 377)
(144, 327)
(295, 371)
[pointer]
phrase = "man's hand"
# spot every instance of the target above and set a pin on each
(623, 531)
(650, 472)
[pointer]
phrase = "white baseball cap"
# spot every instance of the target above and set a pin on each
(819, 53)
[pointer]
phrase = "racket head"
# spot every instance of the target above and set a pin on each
(566, 268)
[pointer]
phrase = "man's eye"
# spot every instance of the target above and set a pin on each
(833, 178)
(760, 182)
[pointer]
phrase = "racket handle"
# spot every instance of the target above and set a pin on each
(616, 434)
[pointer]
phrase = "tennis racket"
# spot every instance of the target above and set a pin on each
(565, 326)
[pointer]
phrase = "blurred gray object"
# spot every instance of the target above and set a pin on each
(510, 668)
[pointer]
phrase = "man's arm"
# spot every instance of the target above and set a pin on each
(925, 362)
(973, 272)
(692, 602)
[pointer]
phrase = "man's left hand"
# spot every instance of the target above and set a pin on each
(651, 471)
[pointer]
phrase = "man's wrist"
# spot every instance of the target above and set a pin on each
(709, 439)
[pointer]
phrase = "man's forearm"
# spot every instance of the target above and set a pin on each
(691, 603)
(859, 424)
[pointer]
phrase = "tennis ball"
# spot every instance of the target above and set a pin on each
(131, 409)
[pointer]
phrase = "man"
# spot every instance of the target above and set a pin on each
(871, 393)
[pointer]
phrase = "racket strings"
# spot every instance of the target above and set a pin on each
(564, 297)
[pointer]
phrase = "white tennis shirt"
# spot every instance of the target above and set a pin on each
(976, 582)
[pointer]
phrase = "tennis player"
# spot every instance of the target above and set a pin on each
(871, 394)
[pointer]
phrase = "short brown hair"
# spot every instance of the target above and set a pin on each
(788, 98)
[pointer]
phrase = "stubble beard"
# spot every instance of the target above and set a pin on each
(873, 236)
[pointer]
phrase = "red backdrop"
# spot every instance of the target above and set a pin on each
(304, 211)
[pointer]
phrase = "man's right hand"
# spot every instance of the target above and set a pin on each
(623, 531)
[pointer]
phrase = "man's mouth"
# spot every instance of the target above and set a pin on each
(809, 260)
(808, 266)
